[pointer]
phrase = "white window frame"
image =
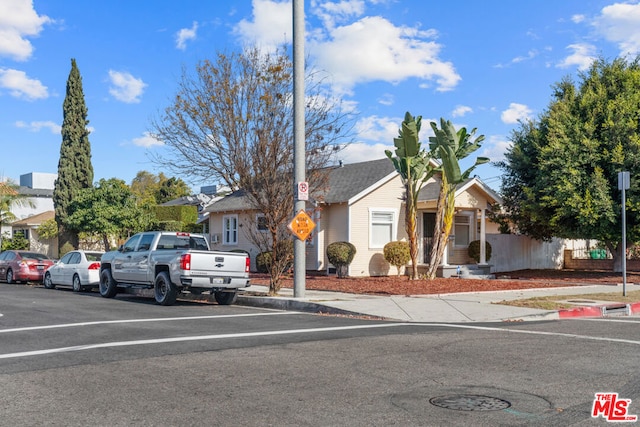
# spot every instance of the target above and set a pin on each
(393, 223)
(228, 232)
(457, 224)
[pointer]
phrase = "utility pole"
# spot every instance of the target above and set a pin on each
(299, 266)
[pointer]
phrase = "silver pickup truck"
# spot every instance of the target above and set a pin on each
(171, 263)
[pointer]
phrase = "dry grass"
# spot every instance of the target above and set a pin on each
(559, 302)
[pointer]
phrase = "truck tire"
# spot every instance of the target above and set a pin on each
(225, 298)
(108, 286)
(166, 292)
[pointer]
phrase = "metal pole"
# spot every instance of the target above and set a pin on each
(624, 243)
(299, 267)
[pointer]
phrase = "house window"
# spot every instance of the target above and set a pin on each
(230, 230)
(381, 227)
(462, 230)
(261, 222)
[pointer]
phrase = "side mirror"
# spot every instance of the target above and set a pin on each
(121, 248)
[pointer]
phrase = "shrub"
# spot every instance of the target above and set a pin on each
(397, 254)
(474, 250)
(340, 254)
(67, 247)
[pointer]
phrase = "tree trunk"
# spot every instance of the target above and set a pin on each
(105, 241)
(616, 252)
(412, 233)
(434, 258)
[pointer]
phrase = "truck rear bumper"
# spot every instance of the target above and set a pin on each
(214, 282)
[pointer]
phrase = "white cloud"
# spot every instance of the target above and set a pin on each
(37, 126)
(516, 112)
(271, 26)
(125, 87)
(583, 55)
(383, 52)
(362, 152)
(495, 148)
(386, 99)
(186, 34)
(461, 110)
(147, 141)
(332, 13)
(18, 20)
(619, 24)
(576, 19)
(378, 129)
(20, 86)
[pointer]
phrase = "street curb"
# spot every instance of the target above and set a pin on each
(289, 304)
(599, 310)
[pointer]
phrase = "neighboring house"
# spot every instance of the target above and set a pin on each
(208, 195)
(38, 187)
(364, 205)
(28, 227)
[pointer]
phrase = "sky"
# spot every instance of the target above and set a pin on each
(480, 64)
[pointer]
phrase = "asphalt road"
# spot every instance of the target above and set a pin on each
(78, 359)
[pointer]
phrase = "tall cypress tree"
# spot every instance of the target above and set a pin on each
(75, 171)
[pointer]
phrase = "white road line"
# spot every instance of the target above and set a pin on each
(159, 319)
(192, 338)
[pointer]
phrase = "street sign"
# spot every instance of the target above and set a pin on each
(302, 225)
(303, 190)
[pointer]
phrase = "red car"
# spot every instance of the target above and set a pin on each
(23, 266)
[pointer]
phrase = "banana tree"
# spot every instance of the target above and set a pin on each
(449, 146)
(415, 168)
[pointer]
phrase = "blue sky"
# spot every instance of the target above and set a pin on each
(482, 64)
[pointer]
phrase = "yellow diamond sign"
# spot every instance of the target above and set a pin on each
(302, 225)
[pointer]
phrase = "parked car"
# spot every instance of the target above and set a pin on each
(78, 270)
(23, 266)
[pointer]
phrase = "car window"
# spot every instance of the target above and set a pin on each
(3, 255)
(33, 255)
(75, 258)
(65, 259)
(93, 256)
(10, 256)
(198, 243)
(145, 242)
(130, 245)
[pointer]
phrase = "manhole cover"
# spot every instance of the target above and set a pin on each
(470, 402)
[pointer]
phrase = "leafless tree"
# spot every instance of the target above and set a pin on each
(232, 121)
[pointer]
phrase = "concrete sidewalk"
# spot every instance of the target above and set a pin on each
(456, 307)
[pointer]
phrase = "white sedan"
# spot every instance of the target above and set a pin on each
(79, 270)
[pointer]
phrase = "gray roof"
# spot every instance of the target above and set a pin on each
(345, 182)
(349, 180)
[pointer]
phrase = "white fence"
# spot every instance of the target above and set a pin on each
(510, 252)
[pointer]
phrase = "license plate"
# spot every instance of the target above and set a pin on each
(216, 280)
(40, 267)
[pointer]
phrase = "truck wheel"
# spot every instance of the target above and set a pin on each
(165, 291)
(108, 286)
(48, 283)
(225, 298)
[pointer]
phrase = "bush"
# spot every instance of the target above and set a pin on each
(340, 254)
(474, 250)
(67, 247)
(17, 242)
(397, 254)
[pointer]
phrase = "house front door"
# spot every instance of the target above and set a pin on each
(428, 227)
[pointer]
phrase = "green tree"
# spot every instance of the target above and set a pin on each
(108, 209)
(450, 146)
(561, 173)
(145, 186)
(75, 171)
(170, 189)
(415, 169)
(10, 197)
(233, 122)
(48, 229)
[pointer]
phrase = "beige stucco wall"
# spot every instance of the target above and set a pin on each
(215, 227)
(369, 261)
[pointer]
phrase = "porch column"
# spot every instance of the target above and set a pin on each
(483, 239)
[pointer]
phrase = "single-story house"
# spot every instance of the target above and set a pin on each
(364, 205)
(28, 227)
